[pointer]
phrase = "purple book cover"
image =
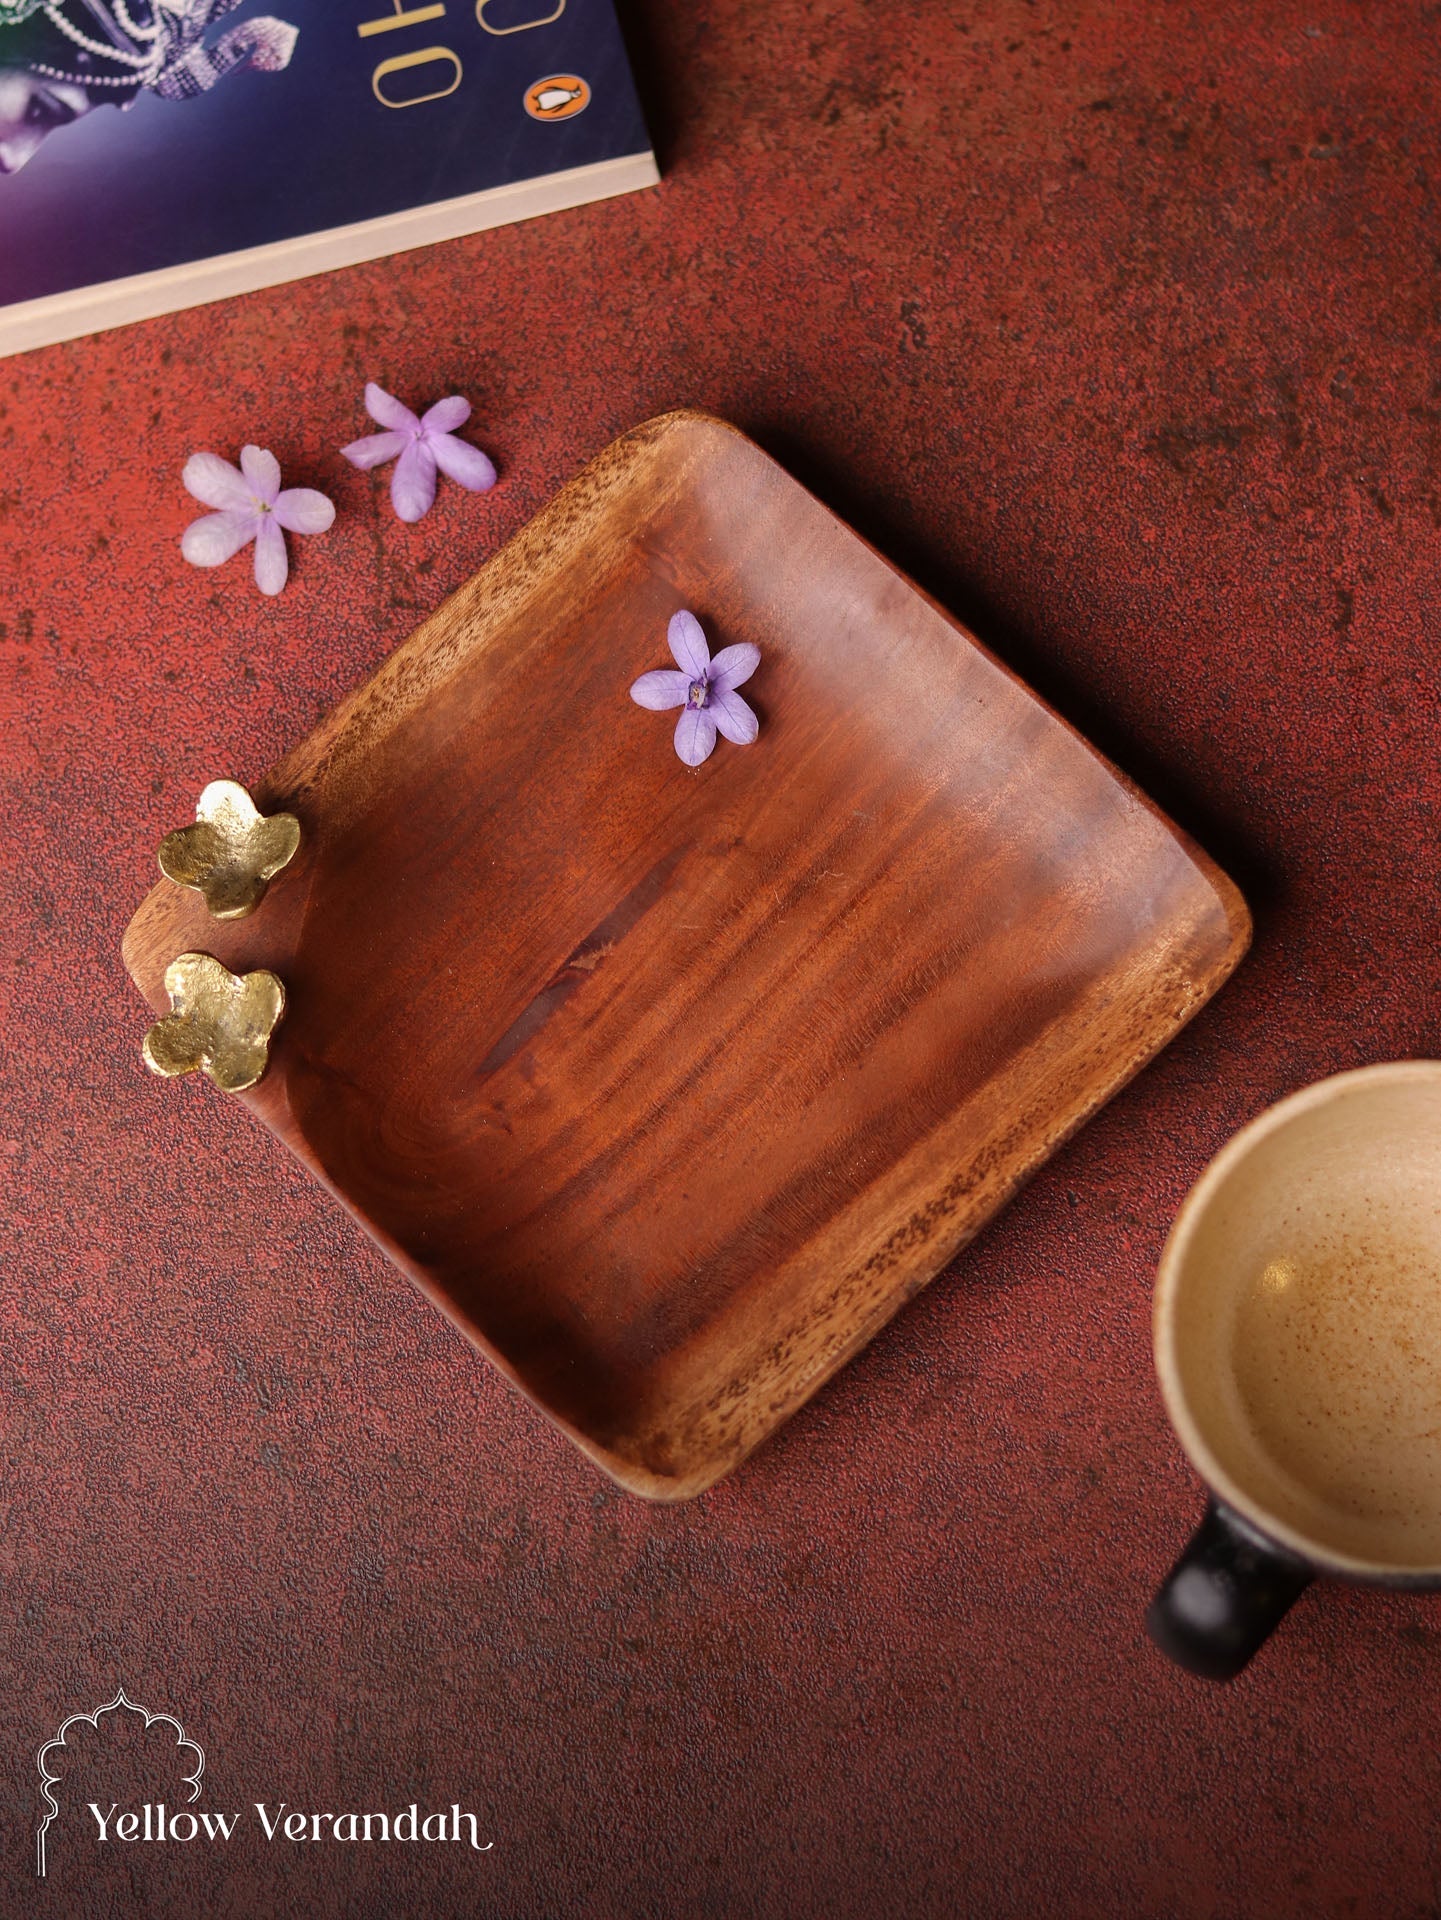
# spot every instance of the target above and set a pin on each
(139, 136)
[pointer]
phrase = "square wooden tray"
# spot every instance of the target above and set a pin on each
(670, 1086)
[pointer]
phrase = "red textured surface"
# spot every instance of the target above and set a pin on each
(1117, 327)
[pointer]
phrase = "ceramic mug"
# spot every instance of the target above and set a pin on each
(1298, 1346)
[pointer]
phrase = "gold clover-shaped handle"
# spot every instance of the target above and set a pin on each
(232, 852)
(219, 1020)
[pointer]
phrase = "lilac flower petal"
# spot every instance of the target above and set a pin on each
(733, 666)
(303, 510)
(386, 411)
(271, 565)
(735, 719)
(262, 470)
(688, 645)
(215, 482)
(661, 689)
(446, 415)
(462, 462)
(695, 735)
(412, 485)
(375, 449)
(211, 541)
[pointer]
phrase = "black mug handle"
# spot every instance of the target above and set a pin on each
(1225, 1596)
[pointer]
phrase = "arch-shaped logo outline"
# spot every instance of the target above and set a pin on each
(49, 1779)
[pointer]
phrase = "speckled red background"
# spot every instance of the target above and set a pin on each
(1120, 328)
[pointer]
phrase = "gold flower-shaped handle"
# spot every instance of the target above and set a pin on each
(232, 852)
(219, 1020)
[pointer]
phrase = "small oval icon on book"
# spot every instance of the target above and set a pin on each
(559, 96)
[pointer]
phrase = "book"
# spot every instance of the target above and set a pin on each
(157, 154)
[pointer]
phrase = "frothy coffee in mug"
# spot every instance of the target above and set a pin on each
(1299, 1325)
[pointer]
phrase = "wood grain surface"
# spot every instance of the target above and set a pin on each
(670, 1086)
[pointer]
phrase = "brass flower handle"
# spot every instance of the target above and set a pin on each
(219, 1021)
(233, 851)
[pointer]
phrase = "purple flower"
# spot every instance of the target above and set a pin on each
(704, 690)
(423, 445)
(251, 507)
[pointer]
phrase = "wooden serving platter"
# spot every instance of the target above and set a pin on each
(669, 1086)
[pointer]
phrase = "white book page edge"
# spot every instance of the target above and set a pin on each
(117, 303)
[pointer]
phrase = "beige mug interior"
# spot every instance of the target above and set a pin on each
(1298, 1322)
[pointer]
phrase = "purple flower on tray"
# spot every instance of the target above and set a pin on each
(704, 690)
(250, 506)
(425, 445)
